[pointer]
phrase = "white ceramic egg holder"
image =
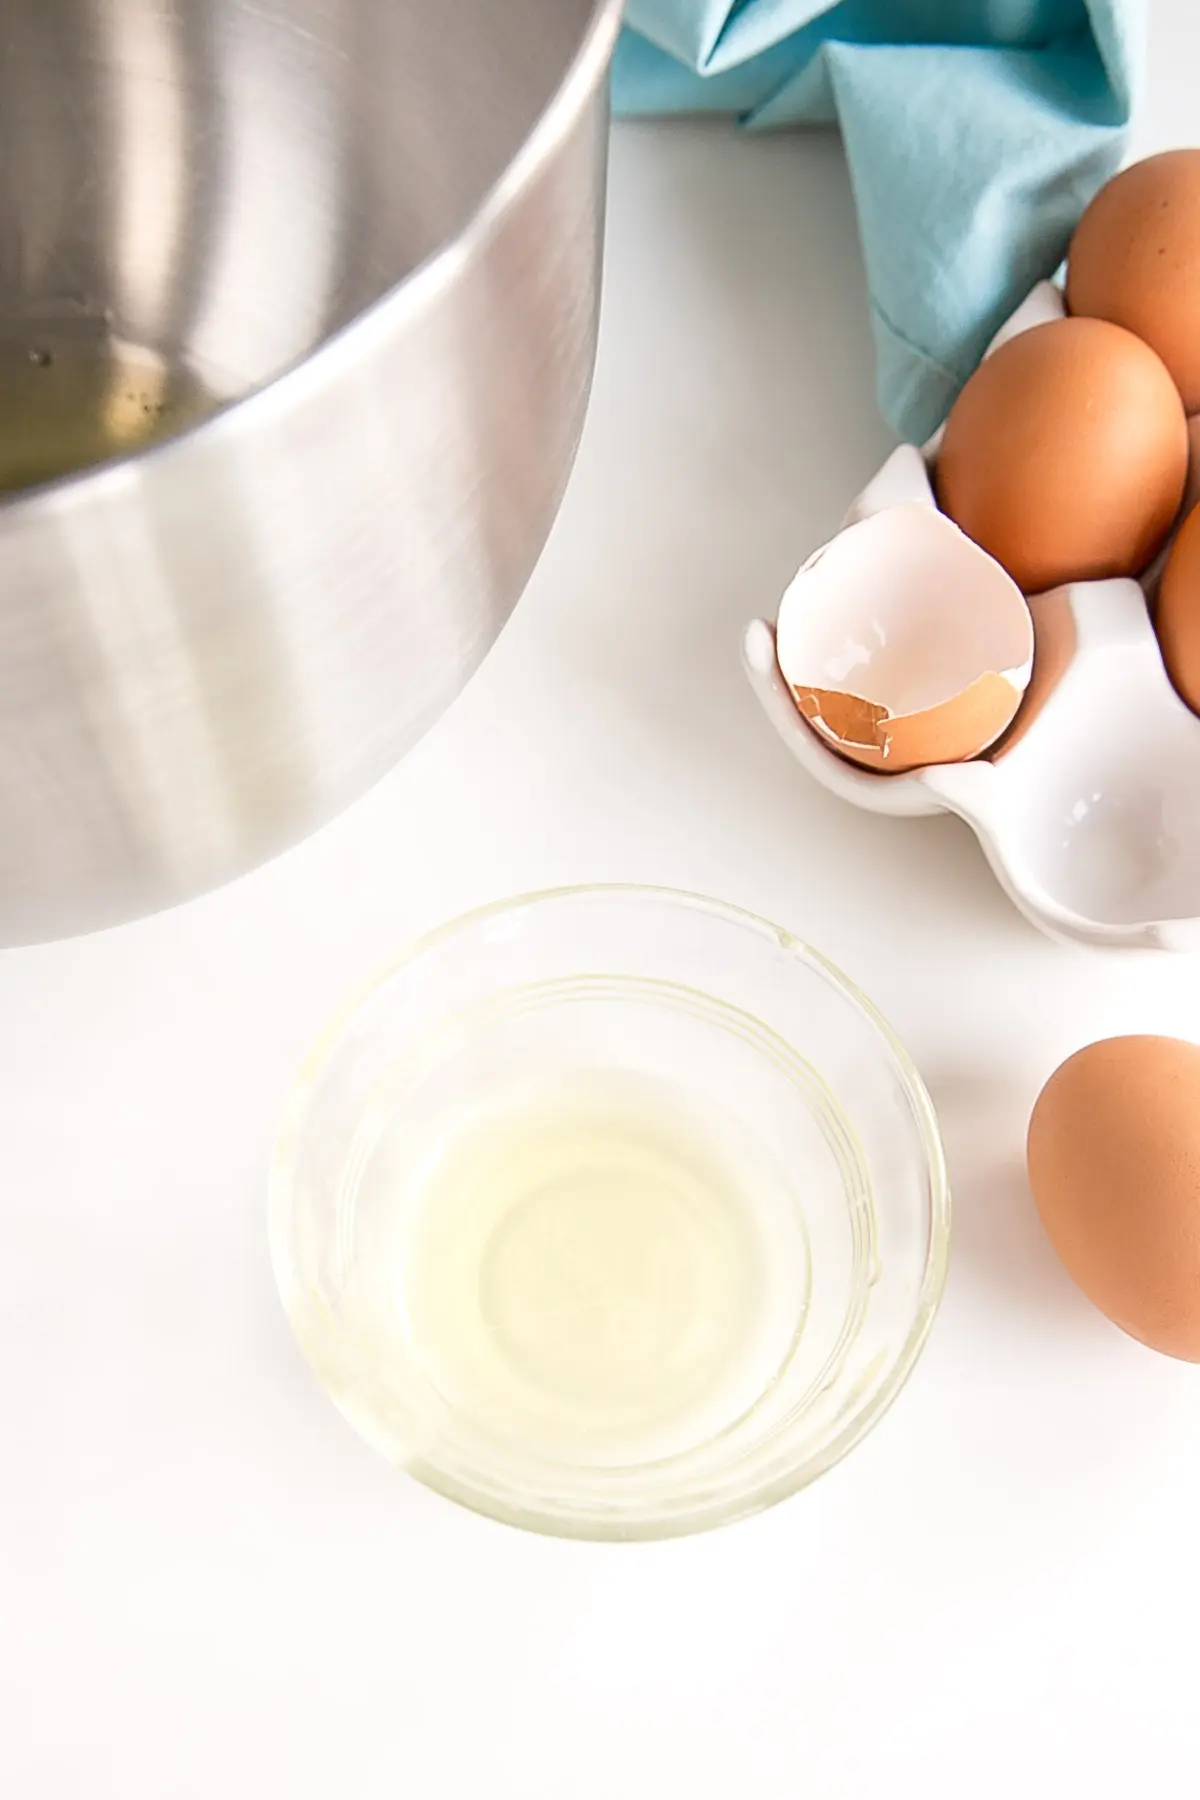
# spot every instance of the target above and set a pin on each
(1088, 810)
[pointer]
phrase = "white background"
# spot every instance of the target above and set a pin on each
(208, 1586)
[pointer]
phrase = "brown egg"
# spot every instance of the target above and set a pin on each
(1065, 454)
(1177, 616)
(1114, 1163)
(1135, 260)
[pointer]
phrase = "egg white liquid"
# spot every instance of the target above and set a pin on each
(596, 1266)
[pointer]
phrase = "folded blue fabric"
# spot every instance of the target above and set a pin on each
(976, 131)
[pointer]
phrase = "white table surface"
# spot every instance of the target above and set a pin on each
(208, 1586)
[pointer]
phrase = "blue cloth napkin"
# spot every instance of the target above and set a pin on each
(976, 131)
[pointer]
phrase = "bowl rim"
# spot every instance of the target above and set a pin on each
(707, 1515)
(582, 75)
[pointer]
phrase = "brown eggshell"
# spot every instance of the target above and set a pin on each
(903, 643)
(1055, 641)
(1135, 261)
(1066, 453)
(1177, 616)
(1191, 491)
(875, 738)
(1114, 1163)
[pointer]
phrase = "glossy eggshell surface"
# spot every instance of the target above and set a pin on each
(1135, 261)
(1114, 1164)
(1066, 453)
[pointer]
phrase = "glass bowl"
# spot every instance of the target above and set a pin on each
(611, 1212)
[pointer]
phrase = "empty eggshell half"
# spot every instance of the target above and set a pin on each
(904, 644)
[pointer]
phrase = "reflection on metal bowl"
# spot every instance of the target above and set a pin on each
(297, 320)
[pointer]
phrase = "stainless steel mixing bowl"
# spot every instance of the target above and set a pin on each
(318, 279)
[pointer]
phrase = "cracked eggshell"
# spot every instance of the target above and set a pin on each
(904, 644)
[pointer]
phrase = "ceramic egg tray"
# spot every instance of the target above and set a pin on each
(1088, 809)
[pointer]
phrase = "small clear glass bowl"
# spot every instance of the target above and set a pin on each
(692, 1275)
